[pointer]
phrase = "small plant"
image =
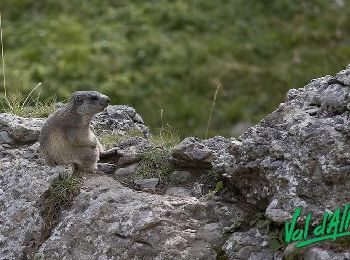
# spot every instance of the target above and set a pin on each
(57, 198)
(167, 138)
(154, 163)
(109, 140)
(35, 109)
(218, 187)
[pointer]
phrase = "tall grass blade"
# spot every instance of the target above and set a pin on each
(218, 85)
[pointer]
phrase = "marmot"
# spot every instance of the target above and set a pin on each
(67, 137)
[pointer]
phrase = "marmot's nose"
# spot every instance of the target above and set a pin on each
(108, 100)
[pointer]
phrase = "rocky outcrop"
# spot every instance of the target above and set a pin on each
(299, 155)
(120, 119)
(226, 197)
(110, 221)
(23, 180)
(17, 130)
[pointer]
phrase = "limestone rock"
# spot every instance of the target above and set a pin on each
(120, 119)
(109, 220)
(299, 155)
(23, 179)
(19, 130)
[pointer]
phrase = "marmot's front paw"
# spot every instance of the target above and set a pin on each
(94, 143)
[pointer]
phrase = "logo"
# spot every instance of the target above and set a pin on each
(333, 225)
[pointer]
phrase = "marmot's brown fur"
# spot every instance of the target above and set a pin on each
(67, 137)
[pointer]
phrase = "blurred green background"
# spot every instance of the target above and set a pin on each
(168, 54)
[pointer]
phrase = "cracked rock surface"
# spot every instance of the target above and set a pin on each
(298, 156)
(110, 221)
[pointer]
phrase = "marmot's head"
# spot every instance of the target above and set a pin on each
(88, 102)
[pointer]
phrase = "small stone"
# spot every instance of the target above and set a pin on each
(106, 167)
(180, 176)
(5, 138)
(316, 253)
(126, 171)
(178, 191)
(197, 189)
(147, 183)
(127, 159)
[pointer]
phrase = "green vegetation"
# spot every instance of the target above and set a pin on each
(219, 186)
(109, 140)
(171, 53)
(57, 198)
(16, 104)
(154, 163)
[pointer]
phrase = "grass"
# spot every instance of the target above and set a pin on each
(110, 140)
(15, 103)
(154, 163)
(165, 54)
(218, 85)
(57, 198)
(167, 138)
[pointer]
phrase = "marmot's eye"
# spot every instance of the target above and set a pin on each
(93, 98)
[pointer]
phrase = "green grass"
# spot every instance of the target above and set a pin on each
(16, 104)
(167, 54)
(57, 198)
(167, 138)
(109, 140)
(154, 163)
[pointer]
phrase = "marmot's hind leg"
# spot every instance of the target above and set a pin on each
(86, 160)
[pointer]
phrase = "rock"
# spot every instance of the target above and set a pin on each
(126, 171)
(5, 138)
(344, 76)
(197, 189)
(19, 130)
(211, 153)
(275, 214)
(191, 153)
(178, 191)
(108, 220)
(150, 183)
(23, 180)
(316, 254)
(106, 167)
(129, 151)
(251, 244)
(299, 155)
(180, 177)
(120, 119)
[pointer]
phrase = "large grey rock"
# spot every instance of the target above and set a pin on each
(130, 150)
(120, 119)
(127, 171)
(299, 155)
(23, 179)
(110, 221)
(210, 153)
(178, 191)
(250, 244)
(150, 183)
(19, 130)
